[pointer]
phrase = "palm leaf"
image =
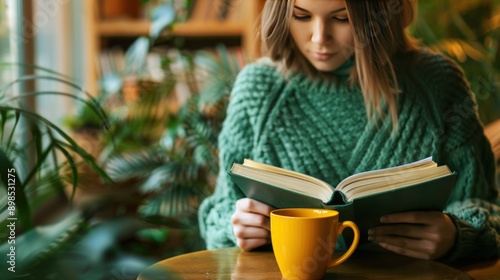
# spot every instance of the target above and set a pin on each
(10, 178)
(41, 242)
(92, 103)
(68, 143)
(162, 17)
(132, 165)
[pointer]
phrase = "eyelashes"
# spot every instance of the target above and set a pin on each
(306, 18)
(300, 18)
(341, 19)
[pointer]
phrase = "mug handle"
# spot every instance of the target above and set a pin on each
(354, 243)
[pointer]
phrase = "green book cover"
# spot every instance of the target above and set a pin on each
(365, 210)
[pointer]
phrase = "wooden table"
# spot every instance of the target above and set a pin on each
(232, 263)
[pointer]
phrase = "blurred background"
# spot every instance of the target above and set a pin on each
(110, 111)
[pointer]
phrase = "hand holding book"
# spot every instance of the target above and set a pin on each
(362, 197)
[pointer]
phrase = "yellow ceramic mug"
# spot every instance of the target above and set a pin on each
(304, 241)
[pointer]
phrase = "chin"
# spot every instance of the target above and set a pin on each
(325, 68)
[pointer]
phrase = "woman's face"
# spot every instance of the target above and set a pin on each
(322, 32)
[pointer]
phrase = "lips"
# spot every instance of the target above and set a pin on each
(322, 55)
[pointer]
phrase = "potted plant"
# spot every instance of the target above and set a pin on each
(175, 170)
(180, 169)
(133, 104)
(52, 237)
(38, 159)
(467, 31)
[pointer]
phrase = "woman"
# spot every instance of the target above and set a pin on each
(345, 89)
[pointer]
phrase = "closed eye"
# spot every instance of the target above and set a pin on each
(301, 18)
(341, 19)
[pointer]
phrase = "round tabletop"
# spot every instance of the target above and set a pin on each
(232, 263)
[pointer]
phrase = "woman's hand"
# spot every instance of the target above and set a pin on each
(422, 235)
(251, 223)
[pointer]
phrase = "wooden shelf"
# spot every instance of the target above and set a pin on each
(103, 32)
(134, 28)
(207, 29)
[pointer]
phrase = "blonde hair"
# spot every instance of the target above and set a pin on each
(380, 31)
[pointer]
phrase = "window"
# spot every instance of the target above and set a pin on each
(7, 25)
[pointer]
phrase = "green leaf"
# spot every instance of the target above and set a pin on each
(9, 178)
(135, 57)
(69, 143)
(139, 165)
(158, 178)
(111, 83)
(40, 242)
(91, 104)
(162, 17)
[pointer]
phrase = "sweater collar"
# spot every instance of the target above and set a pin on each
(344, 70)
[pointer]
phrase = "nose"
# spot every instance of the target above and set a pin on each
(320, 33)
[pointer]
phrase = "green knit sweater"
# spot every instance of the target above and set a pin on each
(321, 129)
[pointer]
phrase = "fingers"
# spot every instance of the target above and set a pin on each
(248, 238)
(250, 232)
(251, 213)
(418, 254)
(250, 219)
(254, 206)
(251, 223)
(424, 235)
(252, 243)
(403, 241)
(415, 231)
(411, 217)
(434, 226)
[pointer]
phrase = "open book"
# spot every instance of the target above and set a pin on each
(362, 197)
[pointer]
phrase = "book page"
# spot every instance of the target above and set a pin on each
(290, 173)
(391, 171)
(353, 186)
(392, 178)
(376, 185)
(285, 179)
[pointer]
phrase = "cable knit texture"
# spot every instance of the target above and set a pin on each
(321, 129)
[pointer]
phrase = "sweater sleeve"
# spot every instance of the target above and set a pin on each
(474, 207)
(473, 204)
(236, 141)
